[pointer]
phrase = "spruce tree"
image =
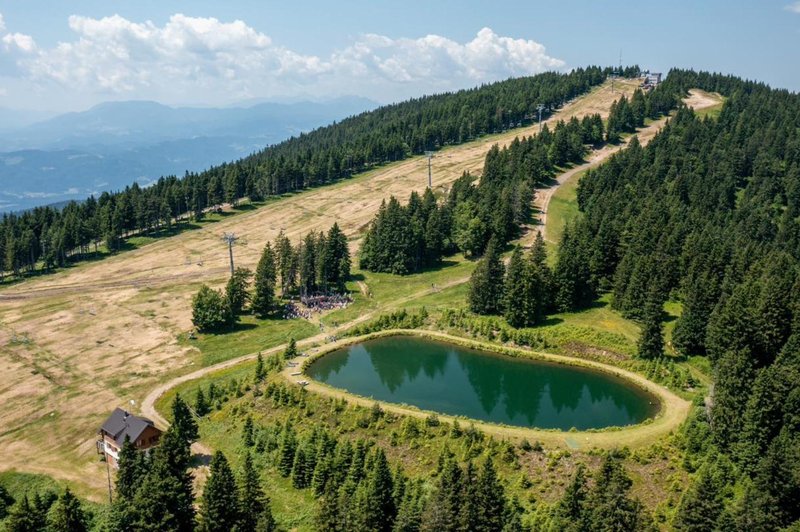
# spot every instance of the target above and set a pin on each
(6, 501)
(200, 403)
(254, 507)
(291, 350)
(25, 517)
(183, 420)
(132, 468)
(701, 506)
(337, 257)
(651, 339)
(263, 301)
(236, 290)
(381, 505)
(247, 432)
(328, 515)
(165, 500)
(486, 283)
(610, 507)
(514, 289)
(285, 259)
(491, 499)
(570, 511)
(469, 518)
(286, 452)
(67, 515)
(260, 372)
(219, 511)
(308, 264)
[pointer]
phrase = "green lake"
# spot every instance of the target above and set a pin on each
(459, 381)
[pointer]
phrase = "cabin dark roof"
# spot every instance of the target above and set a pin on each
(122, 423)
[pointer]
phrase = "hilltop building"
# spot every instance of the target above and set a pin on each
(120, 425)
(651, 80)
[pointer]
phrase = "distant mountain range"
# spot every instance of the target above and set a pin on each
(114, 144)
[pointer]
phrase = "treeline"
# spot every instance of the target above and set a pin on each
(405, 239)
(523, 292)
(320, 262)
(709, 214)
(44, 511)
(391, 133)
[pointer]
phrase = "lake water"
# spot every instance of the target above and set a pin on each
(459, 381)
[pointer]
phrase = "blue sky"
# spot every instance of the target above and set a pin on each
(70, 55)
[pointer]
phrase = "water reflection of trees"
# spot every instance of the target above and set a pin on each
(532, 394)
(330, 364)
(404, 359)
(523, 388)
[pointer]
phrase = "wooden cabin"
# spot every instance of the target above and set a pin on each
(122, 425)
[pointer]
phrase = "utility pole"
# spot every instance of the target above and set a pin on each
(540, 108)
(429, 155)
(230, 238)
(108, 474)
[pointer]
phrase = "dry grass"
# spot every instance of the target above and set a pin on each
(78, 343)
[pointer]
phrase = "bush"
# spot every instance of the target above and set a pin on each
(210, 310)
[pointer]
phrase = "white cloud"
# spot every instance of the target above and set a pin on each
(207, 59)
(19, 42)
(794, 7)
(2, 23)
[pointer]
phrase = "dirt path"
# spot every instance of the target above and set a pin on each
(148, 407)
(697, 100)
(672, 413)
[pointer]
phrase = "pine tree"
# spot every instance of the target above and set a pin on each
(514, 289)
(337, 257)
(25, 517)
(200, 403)
(701, 506)
(219, 511)
(183, 420)
(67, 515)
(236, 290)
(609, 504)
(570, 511)
(469, 518)
(247, 432)
(291, 350)
(263, 300)
(285, 259)
(6, 501)
(381, 505)
(491, 499)
(254, 506)
(165, 499)
(328, 515)
(486, 283)
(651, 339)
(260, 372)
(308, 264)
(132, 469)
(286, 452)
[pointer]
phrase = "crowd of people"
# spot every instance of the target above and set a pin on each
(320, 302)
(316, 303)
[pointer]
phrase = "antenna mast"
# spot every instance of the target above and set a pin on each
(429, 155)
(230, 238)
(618, 72)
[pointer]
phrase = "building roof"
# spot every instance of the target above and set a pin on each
(122, 423)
